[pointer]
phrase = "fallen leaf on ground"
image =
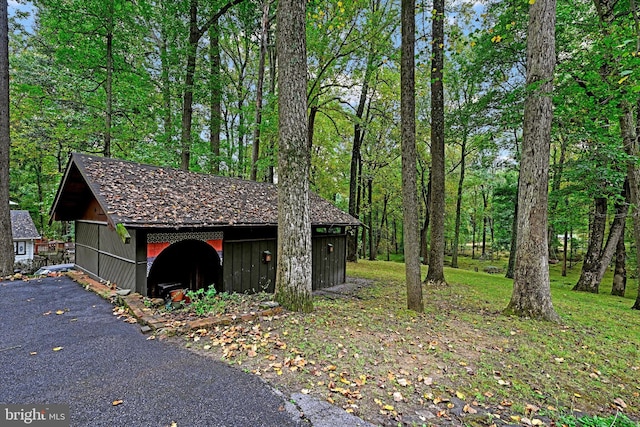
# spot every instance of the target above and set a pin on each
(619, 402)
(117, 402)
(397, 397)
(57, 348)
(531, 408)
(60, 312)
(469, 409)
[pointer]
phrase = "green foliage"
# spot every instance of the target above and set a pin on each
(617, 420)
(207, 301)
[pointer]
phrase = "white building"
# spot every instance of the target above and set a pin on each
(24, 235)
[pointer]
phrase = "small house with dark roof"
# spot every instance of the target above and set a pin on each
(148, 228)
(24, 235)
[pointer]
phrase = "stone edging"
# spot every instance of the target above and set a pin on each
(135, 304)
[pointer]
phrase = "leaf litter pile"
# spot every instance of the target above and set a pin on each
(368, 355)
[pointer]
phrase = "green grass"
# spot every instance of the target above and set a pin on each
(588, 361)
(360, 352)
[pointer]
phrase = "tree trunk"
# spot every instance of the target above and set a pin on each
(620, 273)
(255, 155)
(587, 281)
(531, 295)
(195, 34)
(313, 112)
(372, 243)
(564, 258)
(473, 237)
(629, 137)
(187, 99)
(7, 256)
(435, 274)
(383, 223)
(273, 59)
(356, 159)
(426, 198)
(293, 270)
(409, 158)
(514, 240)
(456, 233)
(215, 119)
(108, 84)
(166, 93)
(484, 223)
(615, 233)
(555, 187)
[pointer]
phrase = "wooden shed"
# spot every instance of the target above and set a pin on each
(145, 228)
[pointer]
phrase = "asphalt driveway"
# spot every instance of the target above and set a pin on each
(103, 360)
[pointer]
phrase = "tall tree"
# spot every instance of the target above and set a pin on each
(531, 295)
(630, 139)
(196, 32)
(435, 274)
(293, 271)
(6, 241)
(598, 258)
(215, 115)
(409, 158)
(264, 40)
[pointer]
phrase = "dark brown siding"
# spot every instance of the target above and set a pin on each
(87, 246)
(329, 268)
(101, 252)
(117, 260)
(243, 268)
(139, 239)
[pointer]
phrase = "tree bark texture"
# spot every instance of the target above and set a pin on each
(187, 99)
(6, 239)
(195, 34)
(166, 92)
(616, 231)
(620, 272)
(409, 157)
(531, 295)
(456, 233)
(587, 281)
(108, 85)
(511, 265)
(435, 273)
(629, 138)
(356, 159)
(293, 271)
(273, 59)
(264, 31)
(558, 167)
(424, 230)
(215, 119)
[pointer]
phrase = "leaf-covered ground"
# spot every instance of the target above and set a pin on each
(461, 361)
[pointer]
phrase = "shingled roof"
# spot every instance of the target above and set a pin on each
(141, 195)
(22, 226)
